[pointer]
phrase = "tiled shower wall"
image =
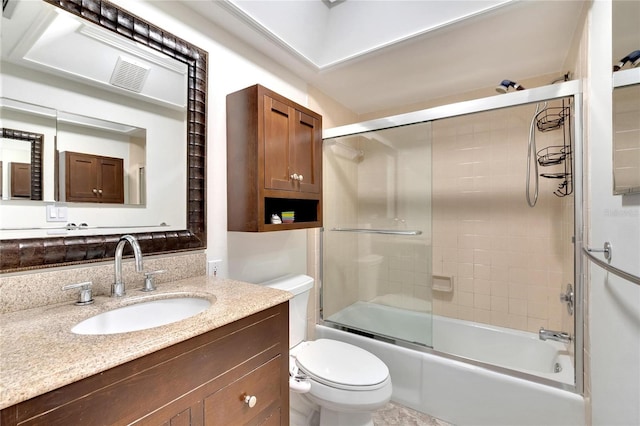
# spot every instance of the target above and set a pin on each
(509, 262)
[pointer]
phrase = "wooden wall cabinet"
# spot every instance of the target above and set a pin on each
(92, 178)
(20, 180)
(201, 381)
(274, 161)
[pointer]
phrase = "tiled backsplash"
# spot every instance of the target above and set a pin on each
(44, 286)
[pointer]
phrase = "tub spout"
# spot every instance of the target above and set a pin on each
(558, 336)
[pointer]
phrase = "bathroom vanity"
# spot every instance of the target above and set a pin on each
(227, 365)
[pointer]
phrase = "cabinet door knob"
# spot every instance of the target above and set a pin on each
(300, 178)
(294, 176)
(95, 191)
(99, 191)
(250, 400)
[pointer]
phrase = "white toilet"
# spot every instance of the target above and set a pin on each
(344, 382)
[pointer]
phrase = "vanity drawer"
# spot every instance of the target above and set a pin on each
(228, 405)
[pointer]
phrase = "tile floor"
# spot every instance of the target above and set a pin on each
(397, 415)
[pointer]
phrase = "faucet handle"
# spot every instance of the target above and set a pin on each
(149, 284)
(84, 297)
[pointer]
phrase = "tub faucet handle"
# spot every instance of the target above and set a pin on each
(568, 298)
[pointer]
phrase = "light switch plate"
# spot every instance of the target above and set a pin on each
(56, 213)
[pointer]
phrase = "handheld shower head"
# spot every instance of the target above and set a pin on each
(633, 57)
(504, 85)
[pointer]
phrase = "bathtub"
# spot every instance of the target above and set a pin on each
(503, 347)
(441, 383)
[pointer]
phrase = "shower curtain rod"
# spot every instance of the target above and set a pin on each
(615, 271)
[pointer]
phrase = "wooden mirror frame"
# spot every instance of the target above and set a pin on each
(34, 253)
(35, 140)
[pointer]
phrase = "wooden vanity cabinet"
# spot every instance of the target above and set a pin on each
(274, 161)
(93, 178)
(201, 381)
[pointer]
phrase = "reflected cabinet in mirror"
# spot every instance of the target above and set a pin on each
(113, 111)
(626, 97)
(20, 165)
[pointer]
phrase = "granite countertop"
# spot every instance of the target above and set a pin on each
(39, 353)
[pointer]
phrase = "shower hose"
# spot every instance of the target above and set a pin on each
(531, 157)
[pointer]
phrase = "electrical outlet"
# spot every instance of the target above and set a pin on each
(213, 267)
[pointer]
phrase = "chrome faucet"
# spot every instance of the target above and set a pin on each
(558, 336)
(117, 288)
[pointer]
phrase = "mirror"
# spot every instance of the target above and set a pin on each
(626, 97)
(626, 139)
(20, 177)
(24, 132)
(189, 231)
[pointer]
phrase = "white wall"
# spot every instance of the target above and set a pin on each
(232, 66)
(614, 304)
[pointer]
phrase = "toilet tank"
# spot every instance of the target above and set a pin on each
(300, 286)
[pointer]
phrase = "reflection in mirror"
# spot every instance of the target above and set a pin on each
(626, 139)
(24, 131)
(100, 161)
(114, 80)
(170, 215)
(15, 153)
(625, 33)
(626, 96)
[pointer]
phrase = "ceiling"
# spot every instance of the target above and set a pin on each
(38, 35)
(462, 49)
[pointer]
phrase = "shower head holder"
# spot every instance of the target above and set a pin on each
(633, 57)
(504, 86)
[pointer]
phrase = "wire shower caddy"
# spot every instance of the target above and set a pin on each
(554, 118)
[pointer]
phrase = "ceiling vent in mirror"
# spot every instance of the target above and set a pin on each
(129, 74)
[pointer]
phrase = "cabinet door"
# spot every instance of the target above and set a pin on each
(81, 177)
(292, 144)
(94, 179)
(20, 180)
(306, 150)
(111, 180)
(277, 140)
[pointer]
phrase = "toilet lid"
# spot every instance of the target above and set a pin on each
(337, 363)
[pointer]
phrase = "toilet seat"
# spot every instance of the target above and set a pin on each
(341, 365)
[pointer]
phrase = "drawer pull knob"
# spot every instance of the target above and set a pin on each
(250, 400)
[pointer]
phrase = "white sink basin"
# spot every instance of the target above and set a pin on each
(142, 316)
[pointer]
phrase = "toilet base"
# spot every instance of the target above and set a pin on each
(341, 418)
(304, 412)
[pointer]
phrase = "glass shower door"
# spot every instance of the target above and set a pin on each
(377, 275)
